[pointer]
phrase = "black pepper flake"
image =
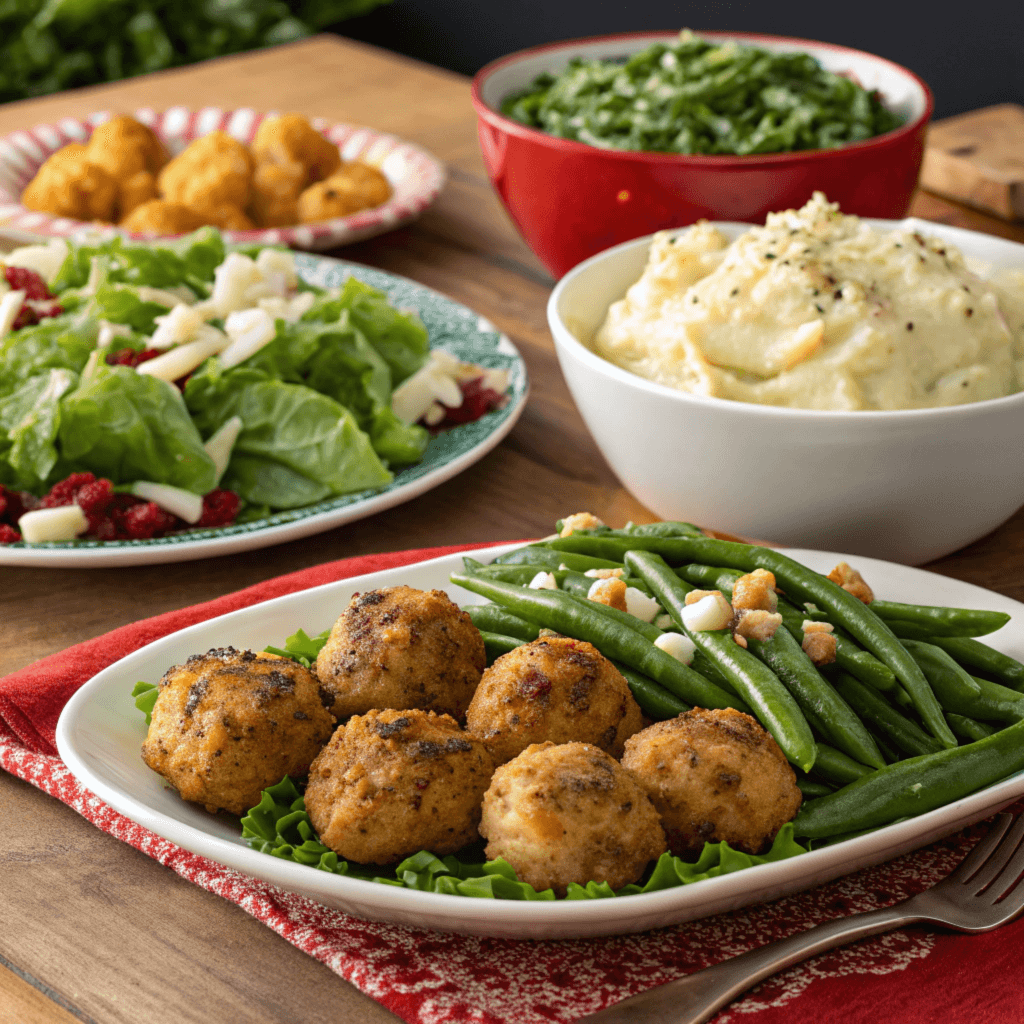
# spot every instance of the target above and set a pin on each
(819, 308)
(695, 299)
(769, 255)
(838, 293)
(734, 292)
(910, 325)
(968, 312)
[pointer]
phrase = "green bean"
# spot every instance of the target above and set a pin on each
(899, 730)
(797, 581)
(942, 621)
(890, 754)
(914, 786)
(858, 662)
(654, 700)
(570, 616)
(816, 696)
(812, 788)
(960, 692)
(665, 529)
(973, 654)
(493, 619)
(709, 670)
(996, 691)
(774, 706)
(567, 579)
(495, 644)
(967, 728)
(543, 557)
(833, 766)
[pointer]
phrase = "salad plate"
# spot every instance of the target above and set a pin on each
(100, 733)
(416, 177)
(450, 326)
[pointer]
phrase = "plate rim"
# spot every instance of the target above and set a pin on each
(134, 553)
(558, 918)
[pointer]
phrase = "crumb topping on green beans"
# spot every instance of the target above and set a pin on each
(698, 96)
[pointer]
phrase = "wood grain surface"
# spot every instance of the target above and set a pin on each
(92, 929)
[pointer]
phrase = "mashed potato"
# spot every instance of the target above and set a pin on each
(817, 310)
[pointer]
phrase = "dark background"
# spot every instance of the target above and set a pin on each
(972, 55)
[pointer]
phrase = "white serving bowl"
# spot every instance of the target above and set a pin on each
(908, 486)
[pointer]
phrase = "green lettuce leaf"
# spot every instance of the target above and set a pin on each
(121, 304)
(129, 426)
(296, 447)
(29, 418)
(301, 648)
(145, 695)
(400, 338)
(62, 342)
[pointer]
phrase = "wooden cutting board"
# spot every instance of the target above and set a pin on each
(978, 159)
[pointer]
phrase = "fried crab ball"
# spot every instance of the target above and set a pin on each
(570, 813)
(357, 186)
(226, 216)
(134, 191)
(714, 775)
(229, 723)
(555, 689)
(214, 169)
(392, 783)
(401, 648)
(291, 140)
(160, 217)
(69, 185)
(123, 146)
(275, 194)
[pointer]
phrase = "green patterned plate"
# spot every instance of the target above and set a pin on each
(467, 335)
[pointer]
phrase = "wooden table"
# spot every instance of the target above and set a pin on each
(93, 930)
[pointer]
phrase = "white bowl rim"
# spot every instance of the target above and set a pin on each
(487, 110)
(563, 336)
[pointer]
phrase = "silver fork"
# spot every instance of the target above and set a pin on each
(976, 897)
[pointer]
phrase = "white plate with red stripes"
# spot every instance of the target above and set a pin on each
(416, 177)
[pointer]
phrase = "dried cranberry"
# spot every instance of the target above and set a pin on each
(148, 520)
(94, 500)
(14, 504)
(130, 357)
(65, 492)
(28, 281)
(26, 318)
(219, 508)
(8, 534)
(476, 400)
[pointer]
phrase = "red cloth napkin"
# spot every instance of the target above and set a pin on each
(917, 975)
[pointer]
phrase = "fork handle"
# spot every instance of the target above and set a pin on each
(695, 998)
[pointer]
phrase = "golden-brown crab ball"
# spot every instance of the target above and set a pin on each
(291, 139)
(392, 783)
(68, 184)
(355, 187)
(555, 689)
(160, 217)
(213, 169)
(275, 194)
(402, 648)
(570, 813)
(227, 217)
(132, 192)
(714, 775)
(123, 146)
(227, 724)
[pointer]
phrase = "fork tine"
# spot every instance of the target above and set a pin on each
(1003, 884)
(982, 849)
(998, 859)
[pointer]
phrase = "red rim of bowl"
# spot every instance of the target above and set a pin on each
(499, 120)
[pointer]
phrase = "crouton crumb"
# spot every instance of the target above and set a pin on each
(754, 591)
(579, 521)
(610, 592)
(814, 626)
(740, 639)
(605, 574)
(852, 582)
(820, 647)
(757, 624)
(698, 595)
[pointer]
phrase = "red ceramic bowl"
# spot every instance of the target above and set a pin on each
(570, 200)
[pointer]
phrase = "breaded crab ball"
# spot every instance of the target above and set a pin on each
(291, 139)
(212, 170)
(570, 813)
(714, 775)
(392, 783)
(160, 217)
(401, 648)
(123, 146)
(357, 186)
(555, 689)
(69, 185)
(227, 724)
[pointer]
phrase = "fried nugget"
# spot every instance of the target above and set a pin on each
(357, 186)
(68, 184)
(226, 216)
(275, 194)
(714, 775)
(570, 813)
(213, 170)
(555, 689)
(392, 783)
(402, 648)
(227, 724)
(291, 139)
(159, 217)
(123, 146)
(132, 192)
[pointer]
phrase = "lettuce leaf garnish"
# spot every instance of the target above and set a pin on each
(300, 647)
